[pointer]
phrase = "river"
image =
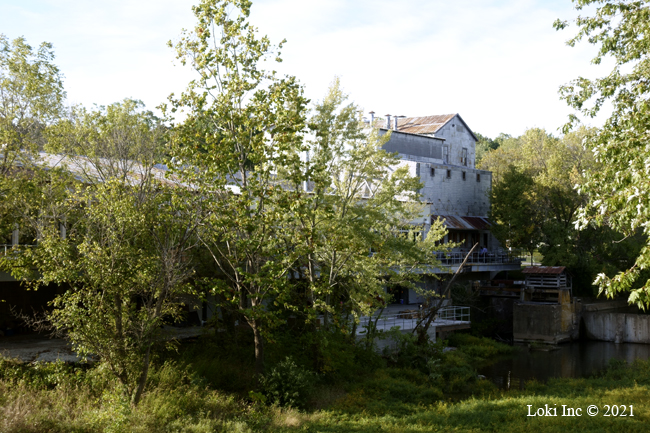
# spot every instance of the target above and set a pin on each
(578, 359)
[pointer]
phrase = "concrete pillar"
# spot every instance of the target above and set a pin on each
(15, 236)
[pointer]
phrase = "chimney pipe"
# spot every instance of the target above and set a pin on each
(388, 121)
(372, 118)
(395, 123)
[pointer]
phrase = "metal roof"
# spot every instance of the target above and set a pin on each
(423, 125)
(544, 270)
(456, 222)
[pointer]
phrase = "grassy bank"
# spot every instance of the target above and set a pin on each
(207, 386)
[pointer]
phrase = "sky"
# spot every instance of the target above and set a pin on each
(498, 63)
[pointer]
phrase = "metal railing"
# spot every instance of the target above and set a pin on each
(456, 258)
(409, 319)
(455, 313)
(7, 247)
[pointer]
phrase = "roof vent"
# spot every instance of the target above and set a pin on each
(388, 121)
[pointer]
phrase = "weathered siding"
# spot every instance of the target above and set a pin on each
(457, 137)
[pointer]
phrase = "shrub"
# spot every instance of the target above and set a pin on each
(478, 348)
(288, 384)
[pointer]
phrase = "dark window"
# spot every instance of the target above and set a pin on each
(463, 175)
(448, 174)
(478, 177)
(433, 171)
(417, 169)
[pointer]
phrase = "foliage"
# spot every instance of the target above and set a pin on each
(478, 348)
(513, 209)
(288, 384)
(116, 242)
(31, 98)
(486, 144)
(354, 225)
(393, 399)
(312, 226)
(242, 135)
(535, 205)
(404, 350)
(620, 30)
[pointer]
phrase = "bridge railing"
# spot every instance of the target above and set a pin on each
(408, 320)
(457, 257)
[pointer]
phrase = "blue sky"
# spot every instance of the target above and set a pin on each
(498, 63)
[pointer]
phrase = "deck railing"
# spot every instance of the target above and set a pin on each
(456, 258)
(409, 319)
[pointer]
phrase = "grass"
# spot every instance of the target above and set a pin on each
(203, 388)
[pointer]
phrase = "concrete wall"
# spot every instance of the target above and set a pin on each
(622, 327)
(551, 323)
(391, 344)
(453, 195)
(448, 193)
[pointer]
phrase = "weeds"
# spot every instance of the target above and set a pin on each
(184, 395)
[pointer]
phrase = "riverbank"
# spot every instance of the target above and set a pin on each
(200, 389)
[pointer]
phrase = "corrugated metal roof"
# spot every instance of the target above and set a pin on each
(455, 222)
(423, 125)
(88, 170)
(479, 223)
(544, 270)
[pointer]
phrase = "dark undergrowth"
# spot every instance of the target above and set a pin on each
(315, 383)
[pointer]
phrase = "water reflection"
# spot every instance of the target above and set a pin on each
(580, 359)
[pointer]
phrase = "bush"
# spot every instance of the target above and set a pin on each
(478, 348)
(288, 384)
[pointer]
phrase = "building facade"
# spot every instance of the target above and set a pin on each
(441, 151)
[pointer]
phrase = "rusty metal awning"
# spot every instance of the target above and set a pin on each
(544, 270)
(454, 222)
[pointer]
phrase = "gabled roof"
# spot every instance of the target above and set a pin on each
(428, 124)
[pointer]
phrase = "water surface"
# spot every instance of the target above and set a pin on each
(578, 359)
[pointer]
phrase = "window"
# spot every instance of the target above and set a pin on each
(448, 174)
(464, 177)
(417, 169)
(463, 157)
(478, 177)
(445, 154)
(433, 171)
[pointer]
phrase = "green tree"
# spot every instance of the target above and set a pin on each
(515, 212)
(618, 189)
(485, 145)
(31, 98)
(355, 232)
(121, 257)
(240, 146)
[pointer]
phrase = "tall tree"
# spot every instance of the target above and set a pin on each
(115, 234)
(618, 190)
(514, 211)
(355, 232)
(240, 145)
(31, 98)
(548, 203)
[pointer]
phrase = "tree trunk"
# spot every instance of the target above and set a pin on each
(259, 349)
(423, 330)
(143, 378)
